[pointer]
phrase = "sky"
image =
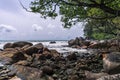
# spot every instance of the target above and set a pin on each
(18, 24)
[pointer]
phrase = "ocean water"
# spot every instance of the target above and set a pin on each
(60, 46)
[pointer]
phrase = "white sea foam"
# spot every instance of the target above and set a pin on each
(60, 46)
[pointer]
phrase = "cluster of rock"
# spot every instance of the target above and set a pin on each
(111, 68)
(79, 42)
(36, 62)
(25, 61)
(111, 58)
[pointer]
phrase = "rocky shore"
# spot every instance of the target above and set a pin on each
(79, 42)
(25, 61)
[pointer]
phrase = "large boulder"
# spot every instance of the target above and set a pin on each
(71, 42)
(21, 44)
(111, 62)
(38, 48)
(17, 44)
(78, 42)
(10, 56)
(7, 45)
(27, 73)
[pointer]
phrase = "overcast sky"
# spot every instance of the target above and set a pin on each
(17, 24)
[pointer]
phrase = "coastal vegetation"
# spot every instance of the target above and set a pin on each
(101, 17)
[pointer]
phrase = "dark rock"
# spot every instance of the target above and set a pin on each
(17, 44)
(78, 43)
(52, 42)
(1, 49)
(18, 56)
(31, 50)
(39, 46)
(7, 45)
(47, 70)
(42, 57)
(11, 55)
(72, 57)
(21, 44)
(71, 42)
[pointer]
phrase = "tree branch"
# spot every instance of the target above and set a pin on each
(95, 5)
(23, 6)
(100, 18)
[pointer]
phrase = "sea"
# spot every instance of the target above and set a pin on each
(61, 45)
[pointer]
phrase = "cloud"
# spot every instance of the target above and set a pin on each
(7, 28)
(36, 27)
(50, 33)
(51, 26)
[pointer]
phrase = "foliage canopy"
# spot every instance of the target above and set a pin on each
(73, 11)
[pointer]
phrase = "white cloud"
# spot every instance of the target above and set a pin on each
(51, 26)
(50, 33)
(7, 28)
(37, 27)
